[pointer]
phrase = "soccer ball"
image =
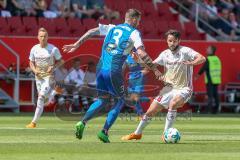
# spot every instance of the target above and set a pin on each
(171, 135)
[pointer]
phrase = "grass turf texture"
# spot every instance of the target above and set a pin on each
(213, 138)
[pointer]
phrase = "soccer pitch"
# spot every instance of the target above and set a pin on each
(212, 138)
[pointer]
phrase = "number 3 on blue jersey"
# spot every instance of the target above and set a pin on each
(117, 34)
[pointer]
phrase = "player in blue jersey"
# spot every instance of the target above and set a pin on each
(136, 81)
(119, 41)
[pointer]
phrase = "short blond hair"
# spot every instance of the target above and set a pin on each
(133, 13)
(42, 29)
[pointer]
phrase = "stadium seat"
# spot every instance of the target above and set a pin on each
(161, 27)
(48, 24)
(175, 25)
(60, 21)
(117, 21)
(149, 29)
(14, 21)
(3, 21)
(148, 9)
(64, 32)
(55, 27)
(151, 36)
(196, 36)
(89, 23)
(192, 32)
(110, 4)
(168, 17)
(134, 4)
(77, 32)
(190, 27)
(164, 12)
(43, 22)
(121, 7)
(75, 27)
(74, 22)
(60, 25)
(29, 21)
(31, 31)
(104, 21)
(15, 26)
(30, 26)
(163, 8)
(184, 36)
(3, 25)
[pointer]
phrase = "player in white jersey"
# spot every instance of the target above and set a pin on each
(178, 62)
(43, 59)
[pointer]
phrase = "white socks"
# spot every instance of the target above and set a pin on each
(170, 118)
(39, 109)
(143, 123)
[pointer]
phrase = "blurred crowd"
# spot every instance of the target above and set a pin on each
(57, 8)
(77, 84)
(224, 15)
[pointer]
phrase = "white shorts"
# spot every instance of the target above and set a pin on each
(44, 86)
(165, 99)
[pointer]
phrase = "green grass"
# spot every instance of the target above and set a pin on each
(209, 138)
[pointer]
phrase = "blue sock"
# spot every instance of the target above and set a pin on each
(113, 114)
(139, 108)
(94, 109)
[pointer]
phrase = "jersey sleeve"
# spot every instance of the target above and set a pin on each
(31, 55)
(57, 54)
(160, 59)
(104, 29)
(136, 38)
(190, 53)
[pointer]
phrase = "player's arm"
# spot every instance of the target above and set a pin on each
(142, 54)
(198, 59)
(58, 60)
(33, 67)
(72, 47)
(145, 71)
(147, 61)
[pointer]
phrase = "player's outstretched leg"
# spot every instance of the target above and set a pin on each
(31, 125)
(91, 112)
(170, 118)
(103, 136)
(152, 110)
(112, 116)
(138, 133)
(38, 112)
(79, 129)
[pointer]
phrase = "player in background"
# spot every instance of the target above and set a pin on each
(44, 58)
(136, 81)
(178, 62)
(118, 43)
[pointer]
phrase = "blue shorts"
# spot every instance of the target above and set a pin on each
(110, 83)
(135, 85)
